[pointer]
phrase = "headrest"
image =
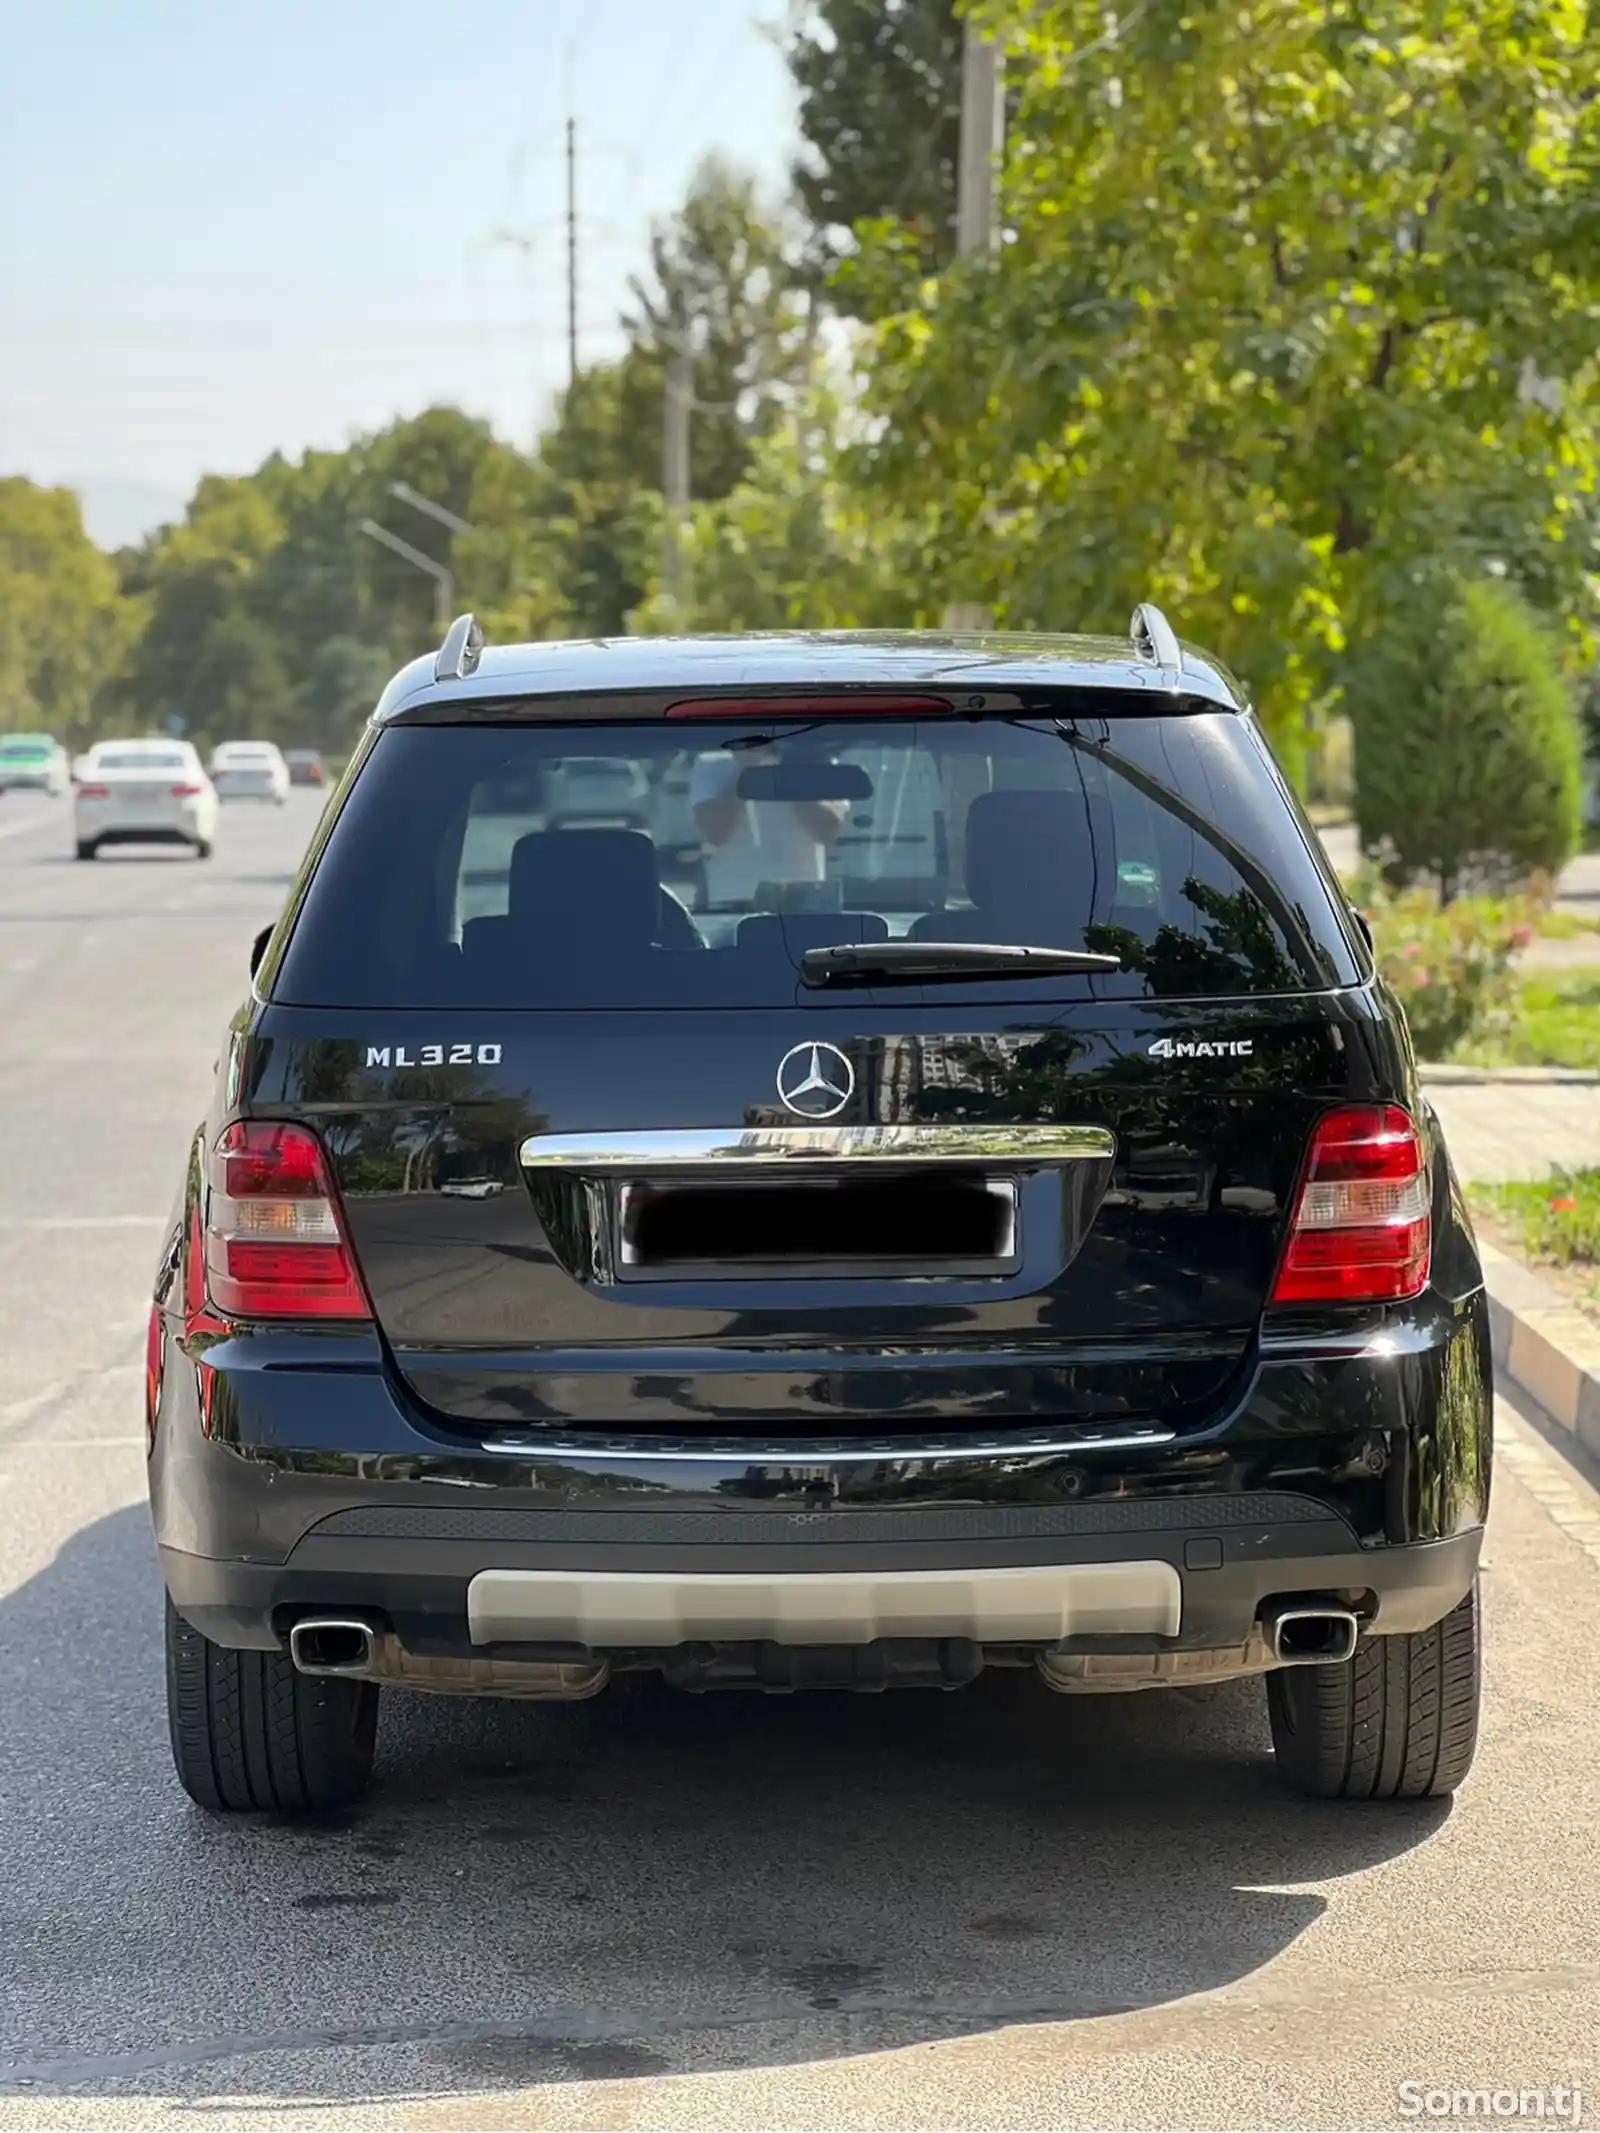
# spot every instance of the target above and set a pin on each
(1033, 852)
(588, 881)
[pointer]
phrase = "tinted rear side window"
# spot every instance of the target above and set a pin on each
(650, 865)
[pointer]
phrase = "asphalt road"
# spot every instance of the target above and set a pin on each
(996, 1908)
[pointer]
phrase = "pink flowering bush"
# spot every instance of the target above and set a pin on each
(1452, 966)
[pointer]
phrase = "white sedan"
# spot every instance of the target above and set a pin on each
(250, 770)
(144, 792)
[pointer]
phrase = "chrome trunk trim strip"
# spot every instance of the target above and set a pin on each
(716, 1147)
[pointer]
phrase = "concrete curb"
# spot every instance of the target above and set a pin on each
(1447, 1075)
(1545, 1346)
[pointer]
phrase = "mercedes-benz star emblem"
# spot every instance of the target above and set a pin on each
(815, 1080)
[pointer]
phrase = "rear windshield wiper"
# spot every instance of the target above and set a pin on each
(936, 962)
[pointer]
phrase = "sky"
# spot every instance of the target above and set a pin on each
(230, 227)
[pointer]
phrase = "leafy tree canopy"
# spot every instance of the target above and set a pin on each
(879, 85)
(63, 621)
(1261, 334)
(793, 546)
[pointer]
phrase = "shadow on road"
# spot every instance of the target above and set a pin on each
(646, 1884)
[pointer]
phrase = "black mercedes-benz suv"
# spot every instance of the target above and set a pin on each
(948, 1191)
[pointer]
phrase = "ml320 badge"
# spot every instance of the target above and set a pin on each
(433, 1055)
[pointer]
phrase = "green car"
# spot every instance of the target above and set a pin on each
(32, 759)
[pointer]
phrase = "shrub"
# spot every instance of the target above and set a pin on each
(1560, 1217)
(1450, 965)
(1468, 762)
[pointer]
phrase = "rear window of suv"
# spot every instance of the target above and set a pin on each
(455, 877)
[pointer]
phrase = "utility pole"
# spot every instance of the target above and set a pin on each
(677, 398)
(983, 125)
(572, 252)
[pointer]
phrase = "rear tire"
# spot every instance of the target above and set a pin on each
(249, 1733)
(1399, 1721)
(87, 848)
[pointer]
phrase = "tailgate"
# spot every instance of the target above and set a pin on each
(619, 1226)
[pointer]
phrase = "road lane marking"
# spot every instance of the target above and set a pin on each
(21, 829)
(73, 1444)
(82, 1221)
(65, 1389)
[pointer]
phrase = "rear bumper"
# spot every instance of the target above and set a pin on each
(1195, 1588)
(183, 824)
(292, 1471)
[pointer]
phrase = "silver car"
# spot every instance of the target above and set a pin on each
(597, 789)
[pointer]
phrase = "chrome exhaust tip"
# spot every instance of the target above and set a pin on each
(1311, 1636)
(332, 1644)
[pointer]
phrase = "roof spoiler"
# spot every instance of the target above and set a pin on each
(1155, 639)
(463, 648)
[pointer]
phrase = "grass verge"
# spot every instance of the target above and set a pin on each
(1554, 1224)
(1562, 923)
(1557, 1023)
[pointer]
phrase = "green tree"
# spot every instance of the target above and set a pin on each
(1259, 338)
(1468, 762)
(237, 683)
(268, 571)
(327, 578)
(199, 636)
(63, 621)
(879, 85)
(719, 290)
(344, 680)
(570, 543)
(793, 547)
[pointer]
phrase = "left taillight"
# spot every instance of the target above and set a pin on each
(1362, 1231)
(276, 1245)
(94, 792)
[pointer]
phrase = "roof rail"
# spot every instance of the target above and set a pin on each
(461, 650)
(1154, 638)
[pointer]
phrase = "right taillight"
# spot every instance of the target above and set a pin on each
(1361, 1231)
(275, 1243)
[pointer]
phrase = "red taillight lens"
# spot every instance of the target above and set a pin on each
(275, 1242)
(808, 707)
(187, 792)
(94, 792)
(1361, 1231)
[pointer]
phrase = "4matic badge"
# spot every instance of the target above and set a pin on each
(1202, 1048)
